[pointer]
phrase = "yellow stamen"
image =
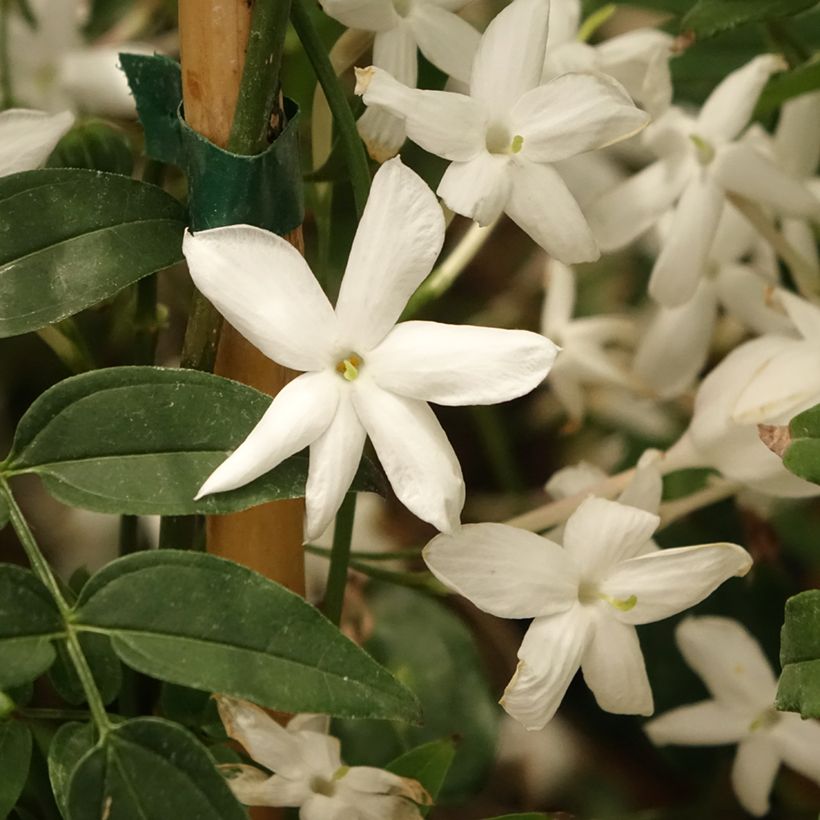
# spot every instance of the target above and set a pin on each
(706, 152)
(517, 143)
(594, 22)
(349, 368)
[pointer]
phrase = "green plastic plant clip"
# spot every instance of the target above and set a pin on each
(223, 188)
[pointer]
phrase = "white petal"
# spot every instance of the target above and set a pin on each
(729, 661)
(28, 137)
(602, 533)
(746, 295)
(804, 315)
(745, 171)
(730, 106)
(568, 392)
(460, 364)
(798, 742)
(253, 787)
(370, 780)
(549, 658)
(444, 123)
(614, 668)
(505, 571)
(370, 15)
(321, 807)
(445, 39)
(397, 241)
(307, 722)
(334, 459)
(298, 415)
(788, 383)
(510, 57)
(383, 133)
(645, 489)
(675, 346)
(800, 235)
(415, 453)
(574, 479)
(564, 20)
(540, 203)
(663, 583)
(559, 303)
(478, 188)
(572, 114)
(797, 141)
(707, 723)
(632, 208)
(753, 773)
(683, 259)
(264, 288)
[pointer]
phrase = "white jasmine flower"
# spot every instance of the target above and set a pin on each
(308, 772)
(701, 160)
(765, 381)
(638, 59)
(586, 343)
(741, 710)
(28, 137)
(503, 137)
(585, 599)
(401, 27)
(365, 374)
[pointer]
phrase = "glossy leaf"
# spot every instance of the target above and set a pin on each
(799, 686)
(94, 145)
(782, 87)
(15, 758)
(69, 745)
(72, 238)
(150, 768)
(105, 667)
(428, 764)
(802, 456)
(142, 440)
(29, 620)
(204, 622)
(708, 17)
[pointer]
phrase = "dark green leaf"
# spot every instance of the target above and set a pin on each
(204, 622)
(708, 17)
(428, 764)
(192, 708)
(150, 768)
(71, 743)
(24, 7)
(104, 663)
(135, 440)
(28, 622)
(802, 456)
(71, 238)
(15, 758)
(530, 815)
(4, 512)
(433, 653)
(783, 87)
(799, 687)
(96, 146)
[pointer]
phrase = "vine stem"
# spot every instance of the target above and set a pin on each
(43, 571)
(340, 559)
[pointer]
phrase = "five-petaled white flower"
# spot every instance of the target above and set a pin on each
(308, 771)
(28, 137)
(401, 27)
(741, 711)
(701, 160)
(585, 599)
(503, 138)
(366, 375)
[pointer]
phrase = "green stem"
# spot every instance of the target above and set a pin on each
(6, 93)
(784, 40)
(43, 571)
(337, 101)
(52, 714)
(339, 559)
(497, 448)
(359, 555)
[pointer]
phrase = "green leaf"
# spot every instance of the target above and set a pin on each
(4, 511)
(204, 622)
(709, 17)
(15, 758)
(802, 456)
(799, 686)
(94, 145)
(72, 238)
(135, 440)
(28, 622)
(69, 745)
(428, 764)
(430, 650)
(783, 87)
(530, 815)
(150, 768)
(105, 667)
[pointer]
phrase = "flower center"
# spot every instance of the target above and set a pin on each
(319, 785)
(349, 368)
(402, 7)
(590, 594)
(500, 141)
(704, 149)
(765, 720)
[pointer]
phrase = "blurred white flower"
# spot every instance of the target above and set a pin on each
(366, 375)
(503, 137)
(701, 160)
(741, 710)
(28, 137)
(308, 772)
(401, 27)
(585, 599)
